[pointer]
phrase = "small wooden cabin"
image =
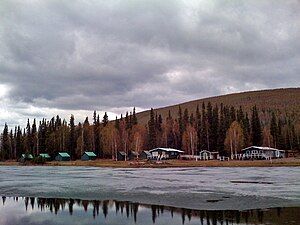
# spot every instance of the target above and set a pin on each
(45, 156)
(26, 157)
(88, 156)
(132, 155)
(165, 153)
(121, 156)
(63, 156)
(257, 152)
(291, 153)
(145, 155)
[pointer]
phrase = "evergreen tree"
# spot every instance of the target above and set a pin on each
(5, 145)
(19, 147)
(105, 120)
(204, 130)
(246, 130)
(99, 137)
(72, 139)
(214, 128)
(209, 117)
(274, 129)
(221, 131)
(185, 118)
(134, 118)
(180, 121)
(34, 138)
(256, 128)
(28, 138)
(152, 130)
(198, 128)
(87, 141)
(96, 134)
(117, 123)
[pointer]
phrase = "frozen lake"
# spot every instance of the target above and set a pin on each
(193, 188)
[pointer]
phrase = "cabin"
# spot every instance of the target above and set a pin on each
(121, 156)
(132, 155)
(291, 153)
(145, 155)
(257, 152)
(45, 156)
(63, 156)
(88, 156)
(207, 155)
(26, 157)
(165, 153)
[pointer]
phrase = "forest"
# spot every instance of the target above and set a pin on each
(218, 127)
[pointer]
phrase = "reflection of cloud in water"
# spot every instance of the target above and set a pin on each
(38, 211)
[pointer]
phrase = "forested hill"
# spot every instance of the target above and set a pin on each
(281, 101)
(225, 124)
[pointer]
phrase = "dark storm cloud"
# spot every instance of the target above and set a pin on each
(85, 55)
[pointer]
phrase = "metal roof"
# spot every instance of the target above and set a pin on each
(28, 156)
(90, 154)
(147, 152)
(122, 153)
(262, 148)
(64, 154)
(209, 152)
(166, 150)
(44, 155)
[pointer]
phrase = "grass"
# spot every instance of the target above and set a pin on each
(168, 163)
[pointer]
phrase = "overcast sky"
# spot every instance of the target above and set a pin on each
(63, 57)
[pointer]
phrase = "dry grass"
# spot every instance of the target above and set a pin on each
(170, 163)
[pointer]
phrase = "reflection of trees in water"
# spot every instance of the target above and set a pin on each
(206, 217)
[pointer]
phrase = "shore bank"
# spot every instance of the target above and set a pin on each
(166, 164)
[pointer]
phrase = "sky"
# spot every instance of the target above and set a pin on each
(74, 56)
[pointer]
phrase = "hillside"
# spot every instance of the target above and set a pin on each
(282, 101)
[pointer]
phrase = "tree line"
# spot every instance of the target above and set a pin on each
(221, 128)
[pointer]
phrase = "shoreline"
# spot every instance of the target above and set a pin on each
(286, 162)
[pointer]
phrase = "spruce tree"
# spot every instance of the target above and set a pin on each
(214, 128)
(256, 128)
(247, 130)
(72, 140)
(134, 118)
(204, 130)
(180, 121)
(96, 134)
(209, 116)
(19, 148)
(198, 128)
(151, 130)
(34, 138)
(221, 131)
(117, 123)
(185, 118)
(274, 130)
(5, 146)
(28, 138)
(105, 120)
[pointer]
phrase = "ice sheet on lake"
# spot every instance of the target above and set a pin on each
(198, 188)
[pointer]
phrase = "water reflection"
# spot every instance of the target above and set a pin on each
(30, 210)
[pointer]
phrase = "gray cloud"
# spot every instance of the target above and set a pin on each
(111, 55)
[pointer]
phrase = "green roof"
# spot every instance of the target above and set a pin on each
(90, 154)
(64, 154)
(45, 155)
(28, 156)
